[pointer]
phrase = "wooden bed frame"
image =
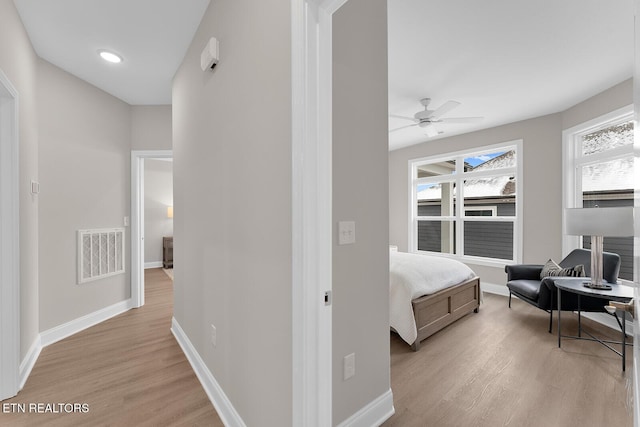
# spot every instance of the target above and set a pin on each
(437, 311)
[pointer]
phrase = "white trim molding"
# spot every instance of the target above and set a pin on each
(457, 216)
(137, 219)
(311, 210)
(374, 414)
(30, 360)
(72, 327)
(218, 398)
(153, 264)
(601, 318)
(492, 288)
(9, 239)
(571, 160)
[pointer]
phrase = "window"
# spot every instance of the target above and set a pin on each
(484, 228)
(598, 172)
(480, 210)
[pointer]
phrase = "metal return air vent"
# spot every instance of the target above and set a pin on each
(100, 253)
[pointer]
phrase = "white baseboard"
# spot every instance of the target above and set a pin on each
(602, 318)
(494, 289)
(218, 398)
(27, 364)
(65, 330)
(153, 264)
(374, 414)
(609, 321)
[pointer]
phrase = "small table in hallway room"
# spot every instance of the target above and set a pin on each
(618, 292)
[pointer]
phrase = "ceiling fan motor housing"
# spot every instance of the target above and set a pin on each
(423, 115)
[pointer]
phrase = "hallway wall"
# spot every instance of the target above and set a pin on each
(19, 62)
(85, 142)
(232, 205)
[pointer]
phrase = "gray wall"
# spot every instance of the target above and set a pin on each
(232, 152)
(360, 145)
(542, 175)
(151, 130)
(151, 127)
(67, 126)
(84, 183)
(19, 62)
(158, 194)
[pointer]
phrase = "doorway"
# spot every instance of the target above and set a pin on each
(9, 241)
(137, 219)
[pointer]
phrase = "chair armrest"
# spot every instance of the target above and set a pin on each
(523, 271)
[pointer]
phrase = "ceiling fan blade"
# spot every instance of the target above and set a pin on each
(430, 130)
(403, 127)
(461, 120)
(395, 116)
(444, 109)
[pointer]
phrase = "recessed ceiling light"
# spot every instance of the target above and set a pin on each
(110, 56)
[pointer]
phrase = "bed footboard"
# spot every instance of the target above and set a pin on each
(437, 311)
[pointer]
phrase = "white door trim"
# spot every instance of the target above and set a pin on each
(9, 240)
(311, 210)
(137, 220)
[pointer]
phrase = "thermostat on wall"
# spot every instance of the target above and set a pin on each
(210, 55)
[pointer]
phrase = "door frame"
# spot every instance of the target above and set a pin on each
(9, 240)
(312, 210)
(137, 220)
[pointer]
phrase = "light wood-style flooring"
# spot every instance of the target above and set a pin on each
(500, 367)
(129, 370)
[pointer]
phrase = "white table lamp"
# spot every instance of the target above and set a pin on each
(599, 223)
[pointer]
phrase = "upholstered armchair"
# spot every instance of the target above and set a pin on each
(523, 281)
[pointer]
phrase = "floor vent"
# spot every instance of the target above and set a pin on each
(100, 253)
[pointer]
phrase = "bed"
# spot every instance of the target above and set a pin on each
(428, 293)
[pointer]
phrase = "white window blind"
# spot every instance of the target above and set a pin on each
(100, 253)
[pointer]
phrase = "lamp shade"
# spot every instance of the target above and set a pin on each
(609, 222)
(169, 211)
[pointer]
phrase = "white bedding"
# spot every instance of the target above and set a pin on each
(412, 276)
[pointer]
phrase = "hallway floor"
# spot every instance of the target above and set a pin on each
(126, 371)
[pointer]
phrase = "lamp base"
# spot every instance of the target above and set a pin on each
(599, 286)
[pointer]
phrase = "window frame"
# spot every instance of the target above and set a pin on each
(459, 217)
(573, 160)
(483, 208)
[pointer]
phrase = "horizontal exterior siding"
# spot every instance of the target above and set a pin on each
(495, 239)
(484, 239)
(622, 246)
(488, 239)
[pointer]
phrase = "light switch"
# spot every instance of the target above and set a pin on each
(35, 187)
(346, 232)
(349, 366)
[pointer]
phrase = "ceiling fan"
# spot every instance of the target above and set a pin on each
(427, 118)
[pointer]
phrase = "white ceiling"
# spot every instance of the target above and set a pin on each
(151, 35)
(505, 60)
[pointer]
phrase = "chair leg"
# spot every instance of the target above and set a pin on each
(550, 319)
(509, 299)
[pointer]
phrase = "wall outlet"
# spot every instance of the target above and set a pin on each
(213, 335)
(349, 366)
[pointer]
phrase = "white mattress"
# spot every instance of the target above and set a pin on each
(412, 276)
